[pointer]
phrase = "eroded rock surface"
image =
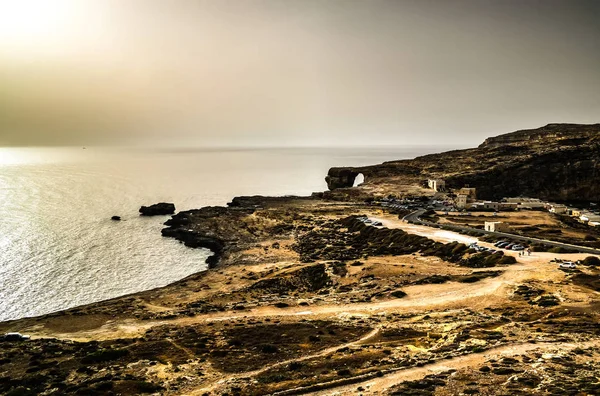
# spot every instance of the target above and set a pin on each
(159, 209)
(554, 162)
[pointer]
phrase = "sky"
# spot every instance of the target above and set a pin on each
(293, 72)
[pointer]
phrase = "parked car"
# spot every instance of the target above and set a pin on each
(368, 221)
(497, 244)
(567, 265)
(377, 223)
(509, 246)
(518, 247)
(503, 244)
(14, 337)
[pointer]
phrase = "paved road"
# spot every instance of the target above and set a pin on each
(415, 217)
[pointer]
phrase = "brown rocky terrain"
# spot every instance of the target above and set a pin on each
(303, 297)
(556, 162)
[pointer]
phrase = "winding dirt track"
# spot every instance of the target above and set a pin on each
(381, 384)
(254, 373)
(419, 297)
(448, 296)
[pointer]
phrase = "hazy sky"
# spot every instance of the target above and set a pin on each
(295, 72)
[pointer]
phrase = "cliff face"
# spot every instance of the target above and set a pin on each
(555, 162)
(566, 134)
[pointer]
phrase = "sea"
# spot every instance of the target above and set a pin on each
(59, 247)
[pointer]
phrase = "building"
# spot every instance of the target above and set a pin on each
(509, 206)
(558, 208)
(496, 226)
(436, 184)
(526, 203)
(491, 205)
(461, 201)
(470, 192)
(588, 217)
(575, 212)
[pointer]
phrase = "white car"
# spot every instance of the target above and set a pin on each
(567, 265)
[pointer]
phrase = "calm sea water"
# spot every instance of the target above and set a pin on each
(59, 248)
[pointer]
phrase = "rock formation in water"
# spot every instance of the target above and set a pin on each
(556, 162)
(158, 209)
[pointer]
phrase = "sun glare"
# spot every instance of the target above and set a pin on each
(27, 24)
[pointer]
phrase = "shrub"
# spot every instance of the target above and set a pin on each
(147, 387)
(295, 366)
(269, 348)
(507, 260)
(560, 249)
(104, 355)
(591, 261)
(538, 248)
(459, 249)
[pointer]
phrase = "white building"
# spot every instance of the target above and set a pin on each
(558, 208)
(589, 218)
(496, 226)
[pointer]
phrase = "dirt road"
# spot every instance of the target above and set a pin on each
(380, 384)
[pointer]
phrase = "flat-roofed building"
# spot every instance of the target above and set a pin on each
(509, 206)
(589, 217)
(558, 208)
(491, 205)
(496, 226)
(526, 203)
(575, 212)
(470, 192)
(461, 201)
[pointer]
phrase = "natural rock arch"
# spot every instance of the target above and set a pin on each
(358, 180)
(343, 177)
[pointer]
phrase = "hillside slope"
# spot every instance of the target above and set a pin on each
(554, 162)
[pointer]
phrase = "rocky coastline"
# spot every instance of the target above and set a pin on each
(303, 296)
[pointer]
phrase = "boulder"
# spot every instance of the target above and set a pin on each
(158, 209)
(116, 218)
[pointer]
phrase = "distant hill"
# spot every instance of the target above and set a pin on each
(555, 162)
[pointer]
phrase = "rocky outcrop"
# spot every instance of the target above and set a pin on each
(181, 227)
(158, 209)
(341, 178)
(195, 240)
(221, 229)
(559, 162)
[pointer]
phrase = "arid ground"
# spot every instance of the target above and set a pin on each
(306, 299)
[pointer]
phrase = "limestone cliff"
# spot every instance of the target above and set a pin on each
(555, 162)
